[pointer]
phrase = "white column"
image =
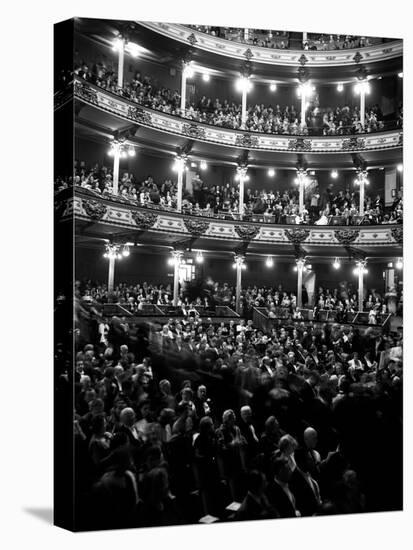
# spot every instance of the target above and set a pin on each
(187, 72)
(362, 181)
(111, 273)
(302, 180)
(361, 265)
(239, 266)
(362, 104)
(300, 268)
(303, 105)
(121, 61)
(116, 158)
(361, 207)
(181, 161)
(177, 256)
(242, 174)
(244, 102)
(304, 38)
(246, 34)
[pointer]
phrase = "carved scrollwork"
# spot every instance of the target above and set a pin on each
(139, 115)
(247, 232)
(86, 92)
(353, 143)
(397, 233)
(246, 140)
(144, 220)
(193, 131)
(248, 54)
(94, 209)
(302, 59)
(357, 57)
(297, 236)
(196, 227)
(346, 236)
(192, 39)
(299, 144)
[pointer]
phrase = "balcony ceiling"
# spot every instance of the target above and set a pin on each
(164, 50)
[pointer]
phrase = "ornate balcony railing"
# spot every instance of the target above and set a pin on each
(257, 54)
(172, 124)
(89, 206)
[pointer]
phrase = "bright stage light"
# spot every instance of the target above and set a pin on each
(269, 262)
(206, 77)
(273, 86)
(271, 172)
(340, 87)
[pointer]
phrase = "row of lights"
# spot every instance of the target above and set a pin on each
(129, 151)
(176, 258)
(116, 251)
(124, 150)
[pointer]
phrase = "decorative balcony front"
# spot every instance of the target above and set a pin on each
(89, 207)
(179, 126)
(257, 54)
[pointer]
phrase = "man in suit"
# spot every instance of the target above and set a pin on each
(279, 493)
(248, 431)
(303, 486)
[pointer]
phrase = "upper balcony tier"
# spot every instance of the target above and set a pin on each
(131, 111)
(271, 56)
(107, 216)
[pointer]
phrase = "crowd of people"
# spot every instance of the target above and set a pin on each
(202, 421)
(281, 40)
(194, 299)
(270, 119)
(275, 206)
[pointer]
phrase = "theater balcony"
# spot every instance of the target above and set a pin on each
(112, 218)
(95, 99)
(289, 50)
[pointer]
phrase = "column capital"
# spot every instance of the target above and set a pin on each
(242, 170)
(239, 260)
(361, 173)
(112, 251)
(187, 68)
(300, 262)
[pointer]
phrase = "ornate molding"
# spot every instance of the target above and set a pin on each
(176, 125)
(192, 39)
(94, 209)
(194, 131)
(86, 92)
(397, 233)
(233, 49)
(144, 220)
(247, 232)
(346, 236)
(139, 115)
(248, 53)
(297, 236)
(353, 144)
(196, 227)
(299, 144)
(246, 140)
